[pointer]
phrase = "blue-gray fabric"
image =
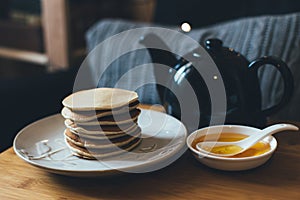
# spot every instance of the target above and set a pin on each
(253, 37)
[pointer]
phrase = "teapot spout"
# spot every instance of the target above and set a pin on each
(158, 50)
(160, 55)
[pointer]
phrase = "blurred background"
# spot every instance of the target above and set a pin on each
(42, 35)
(39, 35)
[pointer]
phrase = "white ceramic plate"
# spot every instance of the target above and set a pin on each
(42, 145)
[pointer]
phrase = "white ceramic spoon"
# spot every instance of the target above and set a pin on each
(244, 144)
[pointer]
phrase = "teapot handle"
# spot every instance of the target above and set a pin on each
(286, 75)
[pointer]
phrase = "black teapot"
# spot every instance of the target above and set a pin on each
(239, 76)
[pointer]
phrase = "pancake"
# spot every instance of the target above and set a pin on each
(101, 143)
(101, 122)
(123, 118)
(83, 116)
(99, 130)
(99, 99)
(103, 135)
(91, 154)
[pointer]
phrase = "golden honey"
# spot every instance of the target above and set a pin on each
(226, 149)
(257, 149)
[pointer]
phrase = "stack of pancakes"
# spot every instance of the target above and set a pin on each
(101, 122)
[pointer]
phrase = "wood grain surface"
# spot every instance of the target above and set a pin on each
(186, 178)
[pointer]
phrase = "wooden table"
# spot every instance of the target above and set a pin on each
(186, 178)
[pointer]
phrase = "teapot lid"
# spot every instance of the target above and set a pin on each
(214, 44)
(221, 54)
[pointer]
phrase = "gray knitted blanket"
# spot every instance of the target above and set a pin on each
(253, 37)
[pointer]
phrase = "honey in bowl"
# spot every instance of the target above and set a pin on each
(257, 149)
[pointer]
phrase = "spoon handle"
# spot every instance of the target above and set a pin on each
(269, 131)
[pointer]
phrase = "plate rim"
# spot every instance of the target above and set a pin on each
(99, 172)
